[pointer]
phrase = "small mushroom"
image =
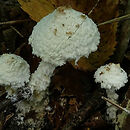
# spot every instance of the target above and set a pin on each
(111, 77)
(14, 73)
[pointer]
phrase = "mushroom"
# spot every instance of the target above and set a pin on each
(111, 77)
(14, 73)
(63, 35)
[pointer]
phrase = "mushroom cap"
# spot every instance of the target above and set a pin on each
(64, 35)
(14, 71)
(111, 76)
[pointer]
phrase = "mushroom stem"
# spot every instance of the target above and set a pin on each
(111, 94)
(39, 83)
(40, 79)
(111, 111)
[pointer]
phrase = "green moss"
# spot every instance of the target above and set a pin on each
(122, 118)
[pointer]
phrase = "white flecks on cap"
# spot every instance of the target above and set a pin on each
(14, 71)
(64, 35)
(111, 76)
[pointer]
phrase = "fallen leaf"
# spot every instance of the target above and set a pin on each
(37, 9)
(124, 35)
(96, 121)
(71, 89)
(104, 11)
(72, 82)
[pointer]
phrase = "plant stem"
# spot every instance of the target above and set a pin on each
(14, 22)
(115, 20)
(113, 103)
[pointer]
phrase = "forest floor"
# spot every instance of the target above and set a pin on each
(75, 89)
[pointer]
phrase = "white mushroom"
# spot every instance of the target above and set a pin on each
(111, 77)
(14, 73)
(63, 35)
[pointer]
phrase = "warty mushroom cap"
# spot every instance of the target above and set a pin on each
(14, 71)
(111, 76)
(64, 35)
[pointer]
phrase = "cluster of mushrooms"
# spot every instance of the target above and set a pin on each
(61, 36)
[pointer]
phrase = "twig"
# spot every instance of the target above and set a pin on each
(115, 20)
(17, 31)
(14, 22)
(2, 93)
(17, 51)
(93, 7)
(113, 103)
(8, 117)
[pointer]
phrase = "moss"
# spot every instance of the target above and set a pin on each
(122, 118)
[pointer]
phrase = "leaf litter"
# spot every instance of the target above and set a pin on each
(70, 88)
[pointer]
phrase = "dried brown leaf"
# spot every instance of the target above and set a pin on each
(37, 8)
(8, 117)
(105, 10)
